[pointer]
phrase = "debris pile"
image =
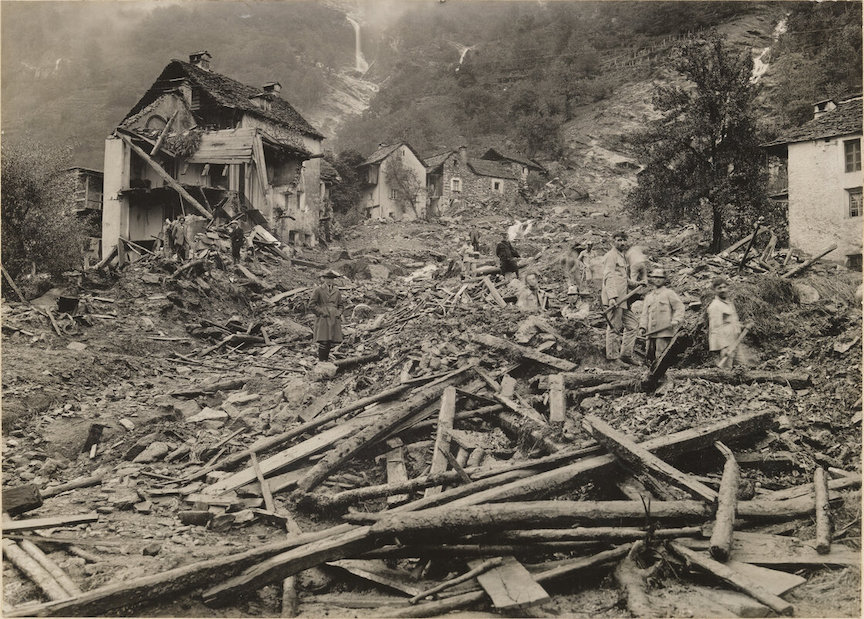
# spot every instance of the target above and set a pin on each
(448, 458)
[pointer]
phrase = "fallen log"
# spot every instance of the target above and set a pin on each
(35, 572)
(589, 534)
(803, 267)
(631, 578)
(456, 602)
(644, 461)
(428, 552)
(163, 585)
(81, 482)
(377, 430)
(727, 501)
(823, 512)
(442, 437)
(805, 490)
(14, 526)
(20, 499)
(574, 474)
(523, 351)
(52, 568)
(736, 376)
(526, 429)
(737, 580)
(290, 600)
(225, 385)
(350, 361)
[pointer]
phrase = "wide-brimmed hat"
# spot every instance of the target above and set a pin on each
(331, 274)
(661, 273)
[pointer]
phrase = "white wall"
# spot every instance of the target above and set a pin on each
(818, 200)
(115, 209)
(381, 196)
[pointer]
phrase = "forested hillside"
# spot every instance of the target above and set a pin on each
(447, 73)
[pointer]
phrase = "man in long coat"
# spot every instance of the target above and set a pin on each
(326, 302)
(507, 256)
(661, 315)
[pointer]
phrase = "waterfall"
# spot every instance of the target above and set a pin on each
(359, 61)
(761, 62)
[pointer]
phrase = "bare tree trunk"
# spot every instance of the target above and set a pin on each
(717, 228)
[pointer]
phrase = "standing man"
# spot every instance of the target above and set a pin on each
(326, 302)
(237, 239)
(475, 239)
(621, 320)
(507, 255)
(661, 315)
(723, 325)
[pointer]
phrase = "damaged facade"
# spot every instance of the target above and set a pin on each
(88, 206)
(394, 184)
(822, 163)
(224, 146)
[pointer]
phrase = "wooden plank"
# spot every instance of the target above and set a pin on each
(524, 351)
(508, 386)
(557, 403)
(265, 487)
(32, 524)
(285, 295)
(375, 571)
(731, 603)
(442, 437)
(643, 460)
(774, 581)
(498, 395)
(496, 296)
(396, 471)
(765, 550)
(311, 411)
(261, 167)
(510, 585)
(289, 456)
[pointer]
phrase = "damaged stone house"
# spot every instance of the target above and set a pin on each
(394, 183)
(817, 168)
(88, 207)
(202, 143)
(454, 179)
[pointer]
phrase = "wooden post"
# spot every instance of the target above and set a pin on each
(750, 243)
(290, 601)
(442, 437)
(265, 487)
(166, 177)
(12, 283)
(557, 402)
(396, 471)
(163, 134)
(806, 265)
(727, 501)
(823, 512)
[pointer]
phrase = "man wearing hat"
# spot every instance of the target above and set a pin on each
(661, 315)
(507, 256)
(326, 302)
(621, 320)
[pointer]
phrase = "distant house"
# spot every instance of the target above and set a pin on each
(88, 206)
(521, 166)
(394, 183)
(454, 180)
(821, 160)
(202, 143)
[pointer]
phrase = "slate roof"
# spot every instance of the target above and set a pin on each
(229, 93)
(385, 150)
(484, 167)
(496, 153)
(434, 161)
(844, 120)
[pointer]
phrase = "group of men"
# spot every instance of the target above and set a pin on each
(637, 301)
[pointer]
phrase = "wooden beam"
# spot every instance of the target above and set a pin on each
(442, 437)
(52, 568)
(524, 351)
(823, 512)
(32, 524)
(35, 572)
(766, 550)
(802, 267)
(496, 296)
(166, 177)
(261, 166)
(727, 502)
(557, 402)
(396, 471)
(644, 461)
(163, 134)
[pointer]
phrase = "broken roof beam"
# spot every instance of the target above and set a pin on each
(166, 177)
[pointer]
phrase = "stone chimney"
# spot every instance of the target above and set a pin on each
(463, 155)
(262, 100)
(272, 88)
(820, 107)
(201, 60)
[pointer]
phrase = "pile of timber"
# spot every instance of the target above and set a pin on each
(496, 523)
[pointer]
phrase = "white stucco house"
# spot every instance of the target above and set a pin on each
(394, 186)
(822, 158)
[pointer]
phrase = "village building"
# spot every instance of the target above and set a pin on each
(521, 166)
(87, 201)
(394, 183)
(820, 165)
(455, 180)
(202, 143)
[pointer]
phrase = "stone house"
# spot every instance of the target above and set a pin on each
(394, 183)
(454, 180)
(521, 166)
(821, 160)
(202, 143)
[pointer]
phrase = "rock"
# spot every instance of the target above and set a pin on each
(806, 294)
(187, 408)
(592, 403)
(151, 550)
(104, 509)
(147, 324)
(295, 391)
(283, 419)
(154, 451)
(378, 271)
(144, 507)
(323, 370)
(242, 398)
(314, 579)
(77, 346)
(125, 499)
(208, 414)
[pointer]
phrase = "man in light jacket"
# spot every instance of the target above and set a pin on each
(661, 315)
(615, 286)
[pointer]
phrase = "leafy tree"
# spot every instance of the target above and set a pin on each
(345, 195)
(702, 158)
(39, 224)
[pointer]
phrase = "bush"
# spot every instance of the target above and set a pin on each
(40, 227)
